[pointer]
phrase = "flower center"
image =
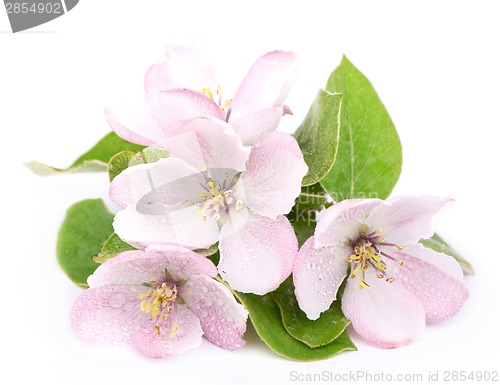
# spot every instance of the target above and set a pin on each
(217, 198)
(224, 106)
(160, 303)
(367, 254)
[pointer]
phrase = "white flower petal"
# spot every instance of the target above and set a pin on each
(273, 177)
(256, 256)
(407, 219)
(317, 275)
(386, 314)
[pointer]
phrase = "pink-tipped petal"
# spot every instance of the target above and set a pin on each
(108, 314)
(208, 143)
(386, 314)
(258, 255)
(408, 219)
(434, 278)
(251, 124)
(148, 120)
(342, 221)
(181, 332)
(135, 182)
(182, 263)
(267, 83)
(273, 177)
(184, 67)
(131, 267)
(222, 319)
(317, 275)
(182, 226)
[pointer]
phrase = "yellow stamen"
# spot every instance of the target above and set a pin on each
(206, 91)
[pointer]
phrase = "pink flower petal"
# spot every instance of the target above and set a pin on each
(267, 83)
(258, 255)
(181, 226)
(148, 120)
(131, 267)
(183, 263)
(183, 68)
(108, 314)
(408, 219)
(222, 319)
(251, 124)
(317, 275)
(386, 314)
(342, 221)
(135, 182)
(208, 143)
(434, 278)
(273, 177)
(168, 342)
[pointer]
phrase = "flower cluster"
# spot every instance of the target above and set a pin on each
(229, 178)
(223, 186)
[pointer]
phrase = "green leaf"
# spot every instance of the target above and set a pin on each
(368, 162)
(87, 225)
(208, 252)
(154, 154)
(121, 161)
(96, 159)
(111, 248)
(437, 244)
(318, 136)
(266, 317)
(302, 217)
(126, 159)
(328, 327)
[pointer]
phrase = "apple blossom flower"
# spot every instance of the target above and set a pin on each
(394, 284)
(160, 301)
(214, 189)
(183, 87)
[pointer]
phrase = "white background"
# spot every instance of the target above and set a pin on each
(434, 64)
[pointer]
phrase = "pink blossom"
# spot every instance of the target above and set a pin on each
(395, 284)
(183, 87)
(213, 189)
(160, 301)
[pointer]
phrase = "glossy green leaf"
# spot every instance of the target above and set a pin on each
(88, 224)
(215, 257)
(436, 243)
(266, 318)
(111, 248)
(208, 252)
(121, 161)
(369, 157)
(328, 327)
(126, 159)
(96, 159)
(154, 154)
(318, 136)
(302, 217)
